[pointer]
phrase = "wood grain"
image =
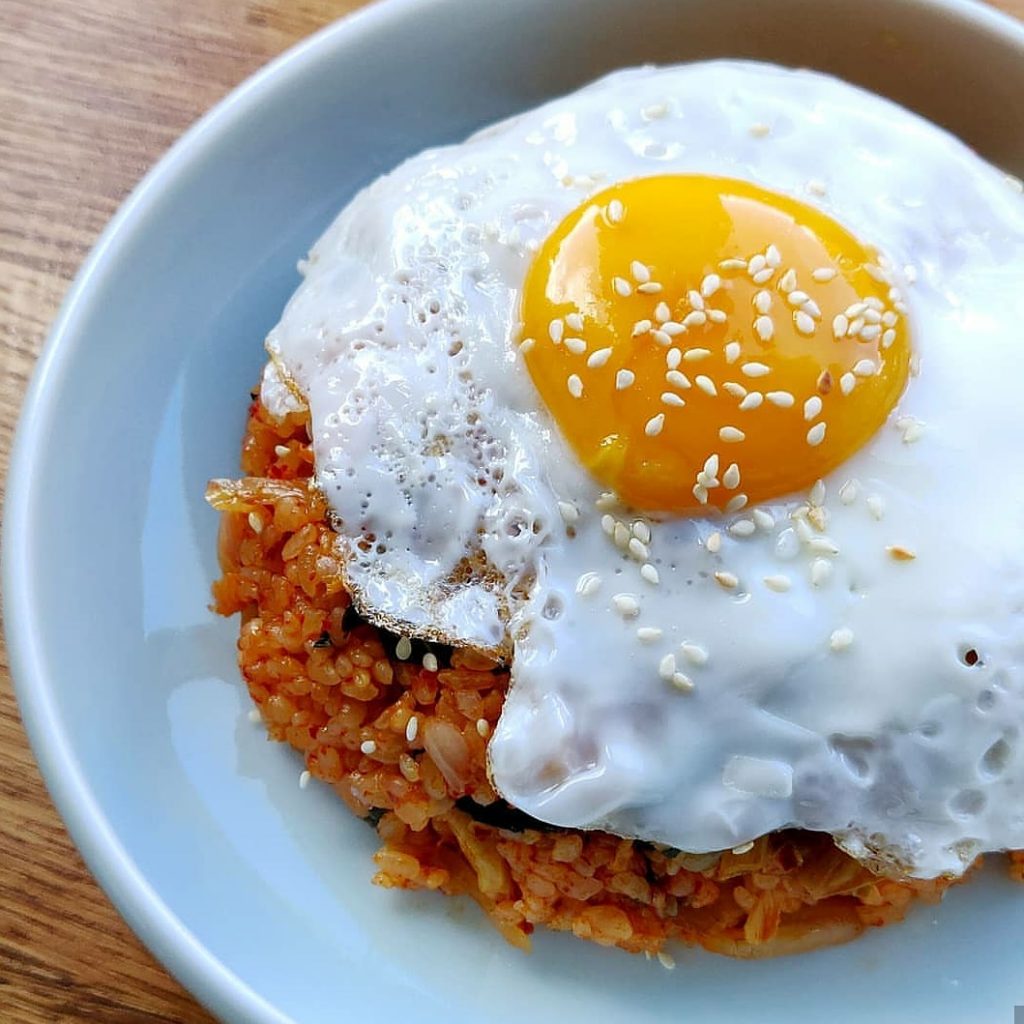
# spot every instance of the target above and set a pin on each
(91, 93)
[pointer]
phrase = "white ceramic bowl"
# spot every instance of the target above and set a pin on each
(254, 894)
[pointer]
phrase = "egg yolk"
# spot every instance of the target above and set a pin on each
(704, 342)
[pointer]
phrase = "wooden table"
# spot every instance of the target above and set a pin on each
(91, 93)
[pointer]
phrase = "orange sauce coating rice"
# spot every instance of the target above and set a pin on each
(403, 744)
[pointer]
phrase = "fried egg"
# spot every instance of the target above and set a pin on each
(696, 394)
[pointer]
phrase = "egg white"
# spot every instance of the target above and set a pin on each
(835, 696)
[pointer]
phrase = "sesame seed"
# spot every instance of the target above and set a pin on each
(731, 477)
(597, 359)
(841, 639)
(788, 280)
(483, 728)
(816, 188)
(692, 355)
(556, 330)
(797, 297)
(620, 536)
(695, 299)
(304, 778)
(673, 357)
(782, 399)
(840, 325)
(870, 333)
(821, 570)
(848, 492)
(671, 328)
(526, 345)
(864, 368)
(847, 383)
(877, 273)
(733, 263)
(900, 553)
(430, 661)
(649, 288)
(876, 505)
(856, 309)
(751, 401)
(695, 319)
(569, 512)
(710, 285)
(575, 321)
(640, 271)
(254, 716)
(732, 352)
(706, 384)
(817, 493)
(714, 542)
(606, 501)
(281, 450)
(368, 747)
(663, 338)
(743, 528)
(700, 492)
(624, 379)
(403, 649)
(711, 464)
(575, 385)
(780, 583)
(727, 580)
(816, 434)
(763, 519)
(694, 653)
(823, 546)
(763, 276)
(662, 311)
(824, 274)
(763, 301)
(641, 531)
(757, 264)
(731, 435)
(772, 256)
(654, 425)
(649, 573)
(759, 129)
(812, 408)
(787, 544)
(667, 667)
(626, 605)
(735, 503)
(717, 316)
(666, 960)
(889, 318)
(411, 728)
(765, 329)
(856, 326)
(803, 531)
(608, 524)
(577, 346)
(683, 683)
(648, 634)
(804, 322)
(622, 287)
(888, 337)
(641, 327)
(671, 398)
(638, 549)
(872, 316)
(588, 584)
(677, 378)
(615, 212)
(818, 516)
(755, 370)
(812, 309)
(731, 387)
(255, 522)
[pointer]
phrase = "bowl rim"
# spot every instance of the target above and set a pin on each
(216, 987)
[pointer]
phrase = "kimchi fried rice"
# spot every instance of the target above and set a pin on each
(399, 729)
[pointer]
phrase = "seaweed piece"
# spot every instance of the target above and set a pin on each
(502, 815)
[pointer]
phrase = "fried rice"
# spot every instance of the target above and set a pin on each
(399, 729)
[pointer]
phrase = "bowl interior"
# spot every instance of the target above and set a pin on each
(255, 892)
